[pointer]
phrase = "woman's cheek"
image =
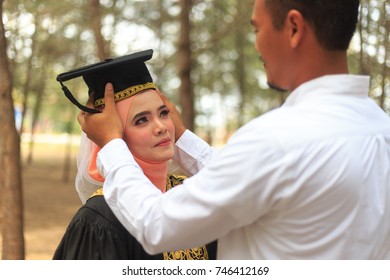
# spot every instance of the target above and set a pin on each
(143, 138)
(137, 140)
(171, 129)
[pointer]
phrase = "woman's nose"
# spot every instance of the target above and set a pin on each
(160, 128)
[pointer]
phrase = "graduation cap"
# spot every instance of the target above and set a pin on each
(128, 75)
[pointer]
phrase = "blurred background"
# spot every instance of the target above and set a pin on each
(204, 61)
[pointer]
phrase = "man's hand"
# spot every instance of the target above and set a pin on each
(102, 127)
(175, 116)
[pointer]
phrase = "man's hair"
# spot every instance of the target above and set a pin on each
(333, 21)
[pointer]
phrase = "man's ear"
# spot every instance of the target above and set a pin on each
(296, 27)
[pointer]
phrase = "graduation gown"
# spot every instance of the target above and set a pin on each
(95, 233)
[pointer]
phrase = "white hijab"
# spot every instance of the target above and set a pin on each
(85, 184)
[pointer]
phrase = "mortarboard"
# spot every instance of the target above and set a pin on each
(128, 75)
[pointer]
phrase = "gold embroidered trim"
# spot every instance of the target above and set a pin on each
(99, 191)
(127, 93)
(174, 180)
(188, 254)
(199, 253)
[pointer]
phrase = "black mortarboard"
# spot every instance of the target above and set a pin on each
(128, 74)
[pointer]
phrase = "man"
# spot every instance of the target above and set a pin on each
(310, 180)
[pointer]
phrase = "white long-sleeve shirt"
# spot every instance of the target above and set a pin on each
(309, 180)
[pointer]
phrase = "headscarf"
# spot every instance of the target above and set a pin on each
(88, 179)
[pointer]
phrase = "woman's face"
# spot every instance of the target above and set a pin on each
(149, 131)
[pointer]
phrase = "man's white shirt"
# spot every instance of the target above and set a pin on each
(309, 180)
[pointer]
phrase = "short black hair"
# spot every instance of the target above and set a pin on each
(334, 21)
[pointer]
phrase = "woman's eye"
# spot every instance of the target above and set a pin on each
(141, 121)
(164, 113)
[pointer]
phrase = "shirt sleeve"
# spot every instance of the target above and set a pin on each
(189, 215)
(192, 153)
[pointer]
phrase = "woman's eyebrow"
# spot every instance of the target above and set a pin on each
(162, 107)
(144, 113)
(141, 114)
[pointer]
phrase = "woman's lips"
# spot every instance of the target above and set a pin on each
(164, 142)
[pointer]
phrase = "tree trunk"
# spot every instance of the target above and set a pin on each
(186, 92)
(364, 69)
(29, 75)
(36, 113)
(96, 22)
(385, 68)
(240, 69)
(72, 113)
(10, 175)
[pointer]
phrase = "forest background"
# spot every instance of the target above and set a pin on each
(204, 61)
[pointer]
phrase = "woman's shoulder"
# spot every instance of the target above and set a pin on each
(96, 208)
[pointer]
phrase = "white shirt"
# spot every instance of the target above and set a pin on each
(309, 180)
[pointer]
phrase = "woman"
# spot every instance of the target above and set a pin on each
(94, 232)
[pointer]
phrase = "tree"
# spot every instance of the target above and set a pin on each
(96, 20)
(186, 92)
(373, 54)
(203, 49)
(10, 176)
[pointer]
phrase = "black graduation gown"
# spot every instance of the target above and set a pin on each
(95, 233)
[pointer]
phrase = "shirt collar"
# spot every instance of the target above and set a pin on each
(352, 85)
